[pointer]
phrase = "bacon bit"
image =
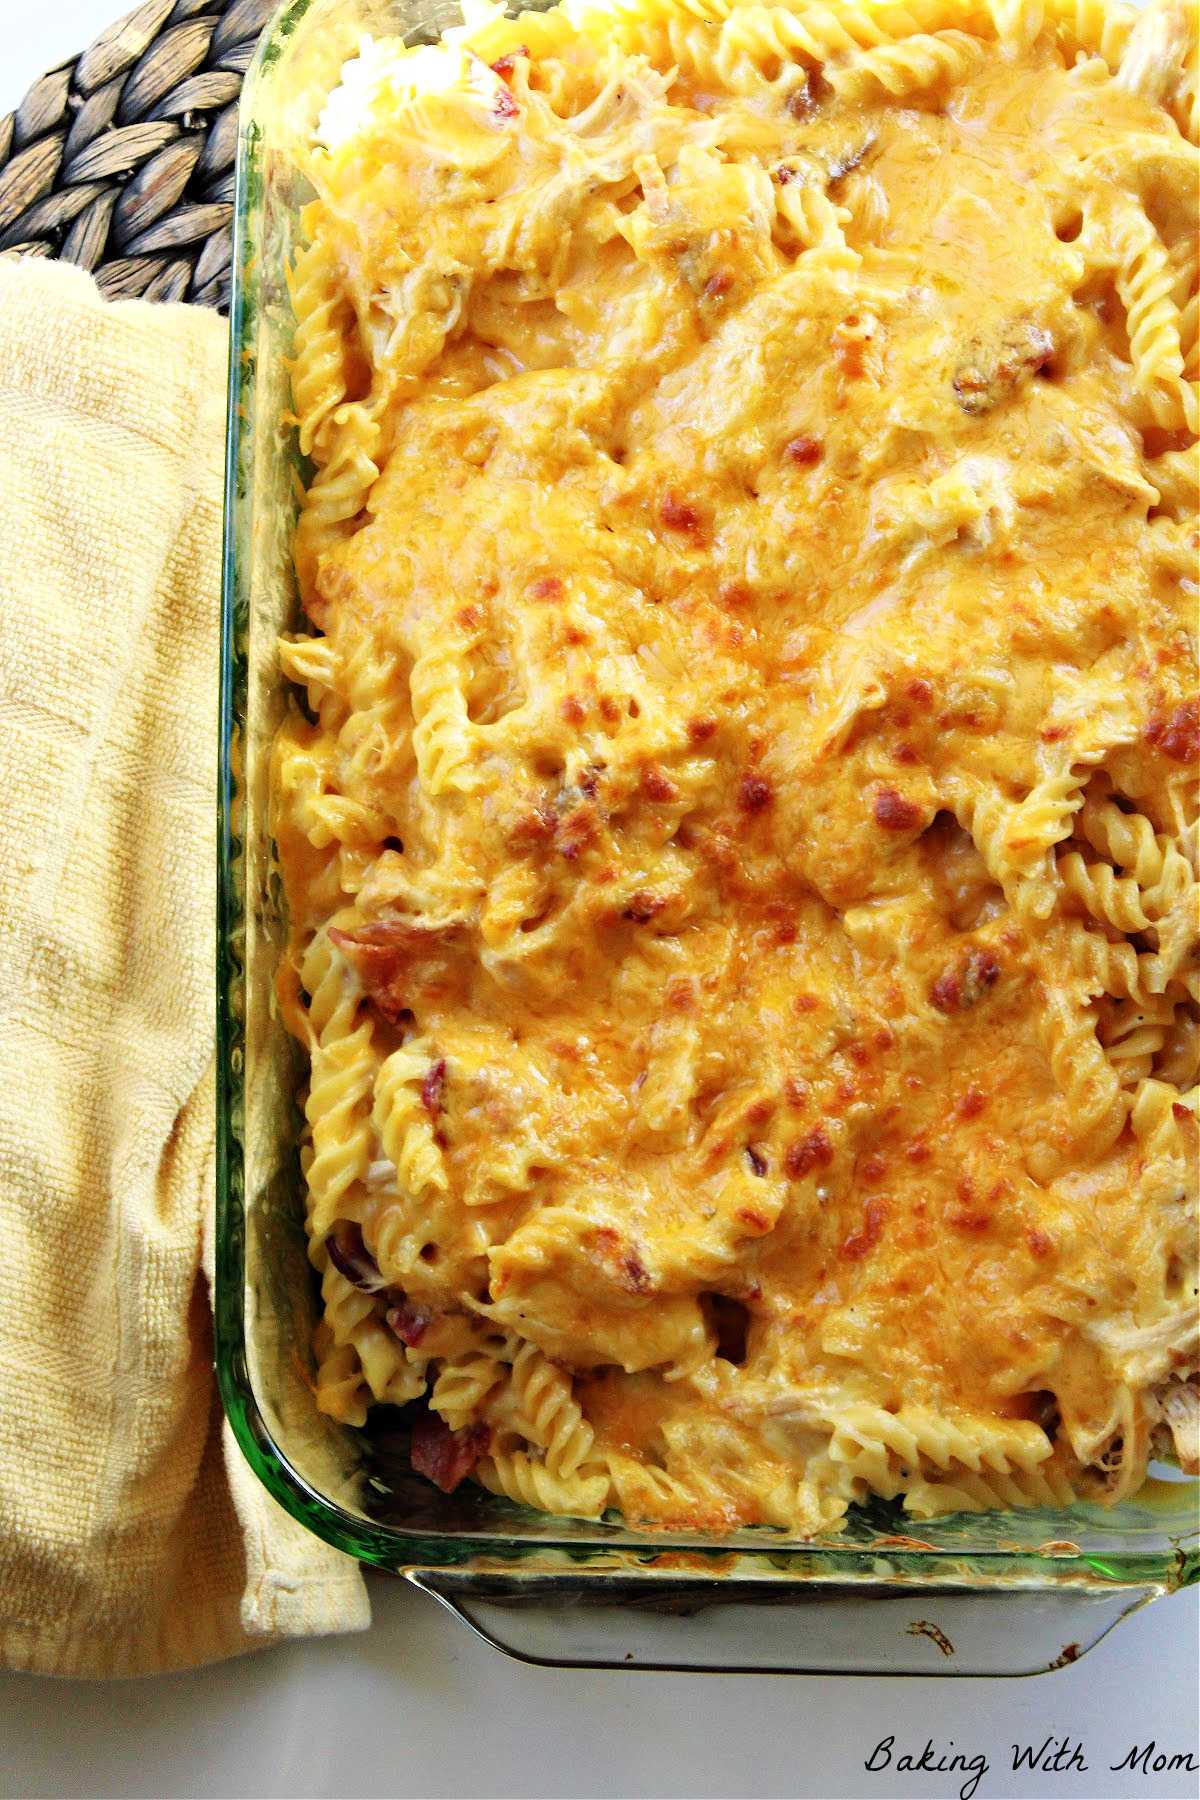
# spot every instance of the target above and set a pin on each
(504, 65)
(917, 1151)
(968, 721)
(1179, 736)
(848, 161)
(849, 357)
(883, 1039)
(677, 514)
(547, 587)
(967, 1219)
(533, 826)
(1053, 734)
(433, 1088)
(867, 1236)
(849, 349)
(576, 830)
(965, 1188)
(760, 1111)
(408, 1322)
(757, 1221)
(992, 372)
(447, 1457)
(983, 971)
(350, 1257)
(904, 753)
(643, 905)
(718, 284)
(919, 689)
(797, 1091)
(575, 634)
(700, 730)
(610, 708)
(894, 812)
(786, 928)
(813, 1151)
(873, 1167)
(572, 710)
(946, 993)
(1180, 1111)
(734, 593)
(681, 994)
(375, 956)
(972, 1103)
(803, 450)
(801, 102)
(658, 786)
(1040, 1244)
(858, 1052)
(635, 1273)
(754, 792)
(805, 1003)
(379, 950)
(469, 616)
(962, 987)
(504, 106)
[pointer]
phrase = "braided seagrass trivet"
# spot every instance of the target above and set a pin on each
(122, 161)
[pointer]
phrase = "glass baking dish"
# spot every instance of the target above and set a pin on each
(975, 1594)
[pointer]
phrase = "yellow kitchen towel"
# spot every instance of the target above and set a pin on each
(132, 1535)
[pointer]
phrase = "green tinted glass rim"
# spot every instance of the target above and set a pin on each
(878, 1545)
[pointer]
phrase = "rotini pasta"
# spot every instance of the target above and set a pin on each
(739, 832)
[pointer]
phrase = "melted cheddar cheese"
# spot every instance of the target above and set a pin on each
(737, 839)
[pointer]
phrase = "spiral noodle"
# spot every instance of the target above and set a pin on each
(1098, 26)
(1024, 868)
(344, 1064)
(521, 1477)
(442, 735)
(1084, 1076)
(318, 367)
(918, 65)
(1042, 820)
(1145, 282)
(550, 1415)
(354, 1322)
(1133, 1036)
(462, 1386)
(1114, 900)
(817, 224)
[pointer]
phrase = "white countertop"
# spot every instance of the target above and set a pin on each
(419, 1706)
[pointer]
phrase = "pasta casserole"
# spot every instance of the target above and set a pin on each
(738, 816)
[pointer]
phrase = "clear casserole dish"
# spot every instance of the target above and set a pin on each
(1004, 1593)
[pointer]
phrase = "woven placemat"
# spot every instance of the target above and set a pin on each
(122, 160)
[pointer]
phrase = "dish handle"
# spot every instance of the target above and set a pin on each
(687, 1623)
